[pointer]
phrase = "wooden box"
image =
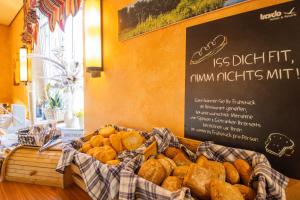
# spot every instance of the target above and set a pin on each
(28, 165)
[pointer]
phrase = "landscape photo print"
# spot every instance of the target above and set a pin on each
(148, 15)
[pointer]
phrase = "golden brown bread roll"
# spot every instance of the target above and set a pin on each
(106, 154)
(181, 171)
(220, 190)
(244, 170)
(201, 160)
(216, 169)
(97, 140)
(106, 142)
(167, 165)
(172, 183)
(132, 140)
(161, 156)
(86, 147)
(107, 131)
(181, 159)
(232, 175)
(247, 192)
(153, 171)
(116, 142)
(198, 180)
(171, 152)
(113, 162)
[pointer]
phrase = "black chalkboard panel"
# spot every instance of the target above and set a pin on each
(243, 83)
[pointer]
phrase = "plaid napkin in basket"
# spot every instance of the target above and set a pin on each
(270, 183)
(166, 138)
(102, 181)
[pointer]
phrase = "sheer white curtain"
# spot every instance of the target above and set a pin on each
(72, 41)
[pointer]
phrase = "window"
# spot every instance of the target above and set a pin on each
(60, 100)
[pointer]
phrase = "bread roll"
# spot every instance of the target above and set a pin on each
(132, 140)
(106, 142)
(181, 159)
(167, 165)
(232, 175)
(97, 140)
(247, 192)
(216, 169)
(116, 142)
(86, 147)
(220, 190)
(244, 170)
(198, 180)
(113, 162)
(171, 152)
(107, 131)
(201, 160)
(108, 153)
(172, 183)
(153, 171)
(180, 171)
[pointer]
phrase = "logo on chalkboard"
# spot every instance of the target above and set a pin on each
(279, 145)
(276, 15)
(210, 49)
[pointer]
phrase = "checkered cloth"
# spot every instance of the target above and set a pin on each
(166, 138)
(102, 181)
(134, 187)
(269, 183)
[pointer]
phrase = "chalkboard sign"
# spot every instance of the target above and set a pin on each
(243, 83)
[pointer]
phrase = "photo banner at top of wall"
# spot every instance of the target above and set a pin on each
(148, 15)
(243, 83)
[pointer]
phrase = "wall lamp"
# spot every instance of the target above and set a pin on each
(23, 65)
(92, 37)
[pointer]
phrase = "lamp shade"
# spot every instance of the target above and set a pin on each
(23, 64)
(92, 34)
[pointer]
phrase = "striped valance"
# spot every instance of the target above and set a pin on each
(57, 12)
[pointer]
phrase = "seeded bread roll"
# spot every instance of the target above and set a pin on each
(247, 192)
(198, 180)
(220, 190)
(153, 171)
(244, 170)
(107, 131)
(181, 171)
(232, 175)
(97, 140)
(172, 183)
(132, 140)
(116, 142)
(181, 159)
(108, 153)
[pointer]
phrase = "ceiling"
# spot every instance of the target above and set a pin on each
(8, 10)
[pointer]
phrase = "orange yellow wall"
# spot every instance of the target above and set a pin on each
(5, 66)
(19, 93)
(143, 84)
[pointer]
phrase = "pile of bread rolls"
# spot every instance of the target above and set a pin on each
(106, 145)
(207, 179)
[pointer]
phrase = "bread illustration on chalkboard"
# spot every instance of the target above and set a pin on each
(279, 145)
(211, 49)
